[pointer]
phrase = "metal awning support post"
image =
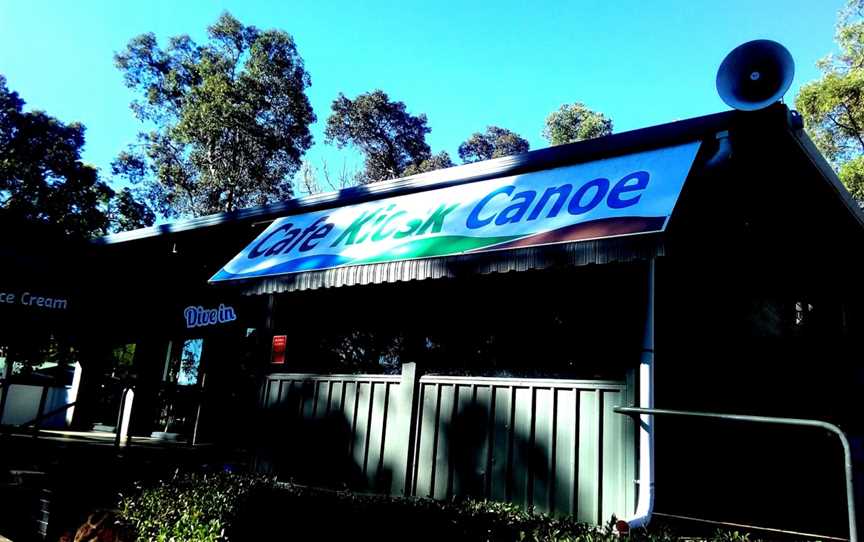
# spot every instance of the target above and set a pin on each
(121, 431)
(43, 398)
(801, 422)
(4, 388)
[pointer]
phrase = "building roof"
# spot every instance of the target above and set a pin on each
(761, 138)
(583, 151)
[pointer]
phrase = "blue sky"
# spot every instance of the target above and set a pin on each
(465, 64)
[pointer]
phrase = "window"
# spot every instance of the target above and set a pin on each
(190, 362)
(184, 362)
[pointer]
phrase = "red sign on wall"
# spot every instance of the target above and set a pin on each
(279, 343)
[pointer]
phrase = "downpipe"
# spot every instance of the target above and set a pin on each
(645, 496)
(722, 154)
(646, 493)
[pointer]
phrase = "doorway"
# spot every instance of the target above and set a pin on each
(180, 390)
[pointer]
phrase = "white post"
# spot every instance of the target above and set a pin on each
(72, 394)
(122, 429)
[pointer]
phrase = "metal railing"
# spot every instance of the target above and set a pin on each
(36, 422)
(800, 422)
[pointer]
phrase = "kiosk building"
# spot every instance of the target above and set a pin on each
(470, 331)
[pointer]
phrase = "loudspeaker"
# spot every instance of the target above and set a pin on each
(755, 75)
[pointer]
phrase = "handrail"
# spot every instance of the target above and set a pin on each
(48, 414)
(801, 422)
(35, 421)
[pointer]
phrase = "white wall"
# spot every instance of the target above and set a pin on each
(22, 404)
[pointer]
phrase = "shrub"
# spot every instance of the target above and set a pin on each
(189, 507)
(224, 506)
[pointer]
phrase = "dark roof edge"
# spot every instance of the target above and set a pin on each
(625, 142)
(819, 161)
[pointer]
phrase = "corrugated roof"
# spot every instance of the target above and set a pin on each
(602, 251)
(205, 229)
(653, 137)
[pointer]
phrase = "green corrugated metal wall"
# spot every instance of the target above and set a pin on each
(553, 444)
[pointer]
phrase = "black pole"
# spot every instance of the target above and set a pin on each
(42, 399)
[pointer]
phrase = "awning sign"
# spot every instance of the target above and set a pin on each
(624, 195)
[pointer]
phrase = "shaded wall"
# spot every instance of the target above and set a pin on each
(556, 445)
(552, 444)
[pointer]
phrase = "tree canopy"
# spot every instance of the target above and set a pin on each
(127, 212)
(495, 142)
(436, 161)
(575, 122)
(229, 120)
(390, 138)
(42, 177)
(833, 106)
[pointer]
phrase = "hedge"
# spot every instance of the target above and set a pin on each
(226, 507)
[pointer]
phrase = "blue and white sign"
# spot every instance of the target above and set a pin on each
(198, 316)
(624, 195)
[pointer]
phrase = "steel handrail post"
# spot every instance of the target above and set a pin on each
(37, 422)
(801, 422)
(124, 397)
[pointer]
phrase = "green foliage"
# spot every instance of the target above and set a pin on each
(436, 161)
(390, 138)
(199, 507)
(852, 175)
(506, 521)
(833, 106)
(42, 177)
(730, 536)
(127, 212)
(834, 114)
(220, 507)
(575, 122)
(230, 119)
(40, 351)
(495, 142)
(123, 356)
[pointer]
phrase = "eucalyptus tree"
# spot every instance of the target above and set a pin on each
(575, 122)
(495, 142)
(391, 139)
(227, 121)
(436, 161)
(43, 179)
(833, 105)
